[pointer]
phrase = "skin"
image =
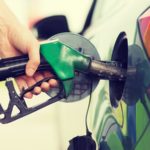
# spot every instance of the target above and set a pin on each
(15, 40)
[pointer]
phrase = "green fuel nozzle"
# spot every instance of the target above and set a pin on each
(63, 61)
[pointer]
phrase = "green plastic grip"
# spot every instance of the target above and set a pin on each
(64, 61)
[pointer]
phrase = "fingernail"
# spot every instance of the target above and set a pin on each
(30, 72)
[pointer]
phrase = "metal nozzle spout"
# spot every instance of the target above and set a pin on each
(108, 70)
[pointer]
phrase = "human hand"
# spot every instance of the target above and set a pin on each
(16, 40)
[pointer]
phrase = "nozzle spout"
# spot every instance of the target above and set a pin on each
(108, 70)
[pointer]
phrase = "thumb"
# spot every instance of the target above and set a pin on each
(34, 58)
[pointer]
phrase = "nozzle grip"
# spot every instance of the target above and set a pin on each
(15, 66)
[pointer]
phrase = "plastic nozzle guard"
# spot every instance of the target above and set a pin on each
(64, 62)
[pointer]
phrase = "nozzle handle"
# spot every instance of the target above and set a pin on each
(15, 66)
